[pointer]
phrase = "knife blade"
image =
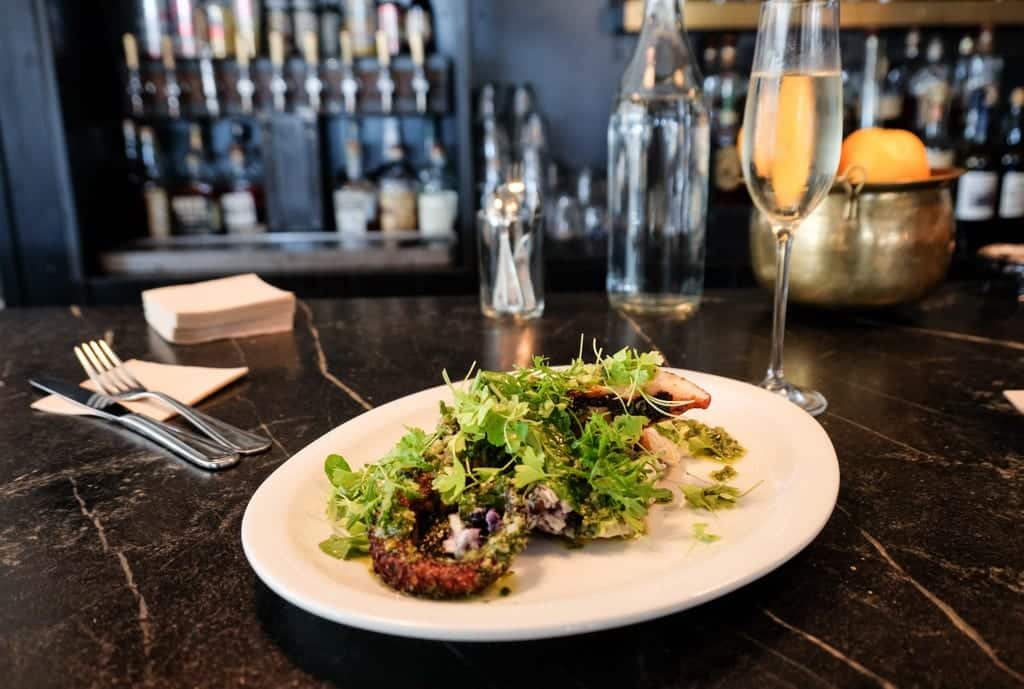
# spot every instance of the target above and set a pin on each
(188, 446)
(96, 404)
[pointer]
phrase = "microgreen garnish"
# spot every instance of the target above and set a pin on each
(725, 474)
(504, 435)
(701, 534)
(715, 496)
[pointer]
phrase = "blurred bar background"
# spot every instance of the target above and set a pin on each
(341, 147)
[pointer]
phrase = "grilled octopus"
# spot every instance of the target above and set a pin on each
(434, 554)
(432, 551)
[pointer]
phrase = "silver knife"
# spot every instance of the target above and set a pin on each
(188, 446)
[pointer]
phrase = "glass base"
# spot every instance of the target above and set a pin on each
(811, 401)
(675, 305)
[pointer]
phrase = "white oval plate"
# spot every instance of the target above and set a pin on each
(558, 591)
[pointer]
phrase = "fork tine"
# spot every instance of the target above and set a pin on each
(93, 374)
(121, 366)
(109, 368)
(113, 370)
(109, 384)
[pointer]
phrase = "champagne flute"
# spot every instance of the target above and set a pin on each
(792, 133)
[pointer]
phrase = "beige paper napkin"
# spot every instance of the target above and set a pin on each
(237, 306)
(1016, 398)
(188, 384)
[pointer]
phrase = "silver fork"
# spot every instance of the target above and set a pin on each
(113, 378)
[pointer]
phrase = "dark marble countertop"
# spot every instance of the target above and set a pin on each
(122, 567)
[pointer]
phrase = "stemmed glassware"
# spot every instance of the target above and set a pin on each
(792, 134)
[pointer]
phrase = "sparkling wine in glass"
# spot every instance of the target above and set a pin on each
(792, 133)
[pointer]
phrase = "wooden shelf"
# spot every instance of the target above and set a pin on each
(702, 15)
(300, 253)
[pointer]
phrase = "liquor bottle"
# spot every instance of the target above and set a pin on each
(385, 82)
(172, 91)
(131, 62)
(355, 198)
(205, 49)
(420, 20)
(420, 83)
(279, 22)
(934, 132)
(493, 157)
(523, 106)
(304, 22)
(986, 68)
(247, 24)
(396, 182)
(183, 34)
(389, 23)
(151, 17)
(438, 201)
(134, 209)
(731, 89)
(961, 72)
(1011, 163)
(193, 204)
(220, 27)
(329, 12)
(930, 88)
(349, 83)
(894, 109)
(240, 199)
(658, 156)
(978, 188)
(711, 75)
(361, 22)
(872, 77)
(158, 216)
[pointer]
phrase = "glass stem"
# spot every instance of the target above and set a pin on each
(784, 241)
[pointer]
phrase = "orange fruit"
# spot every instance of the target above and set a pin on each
(887, 156)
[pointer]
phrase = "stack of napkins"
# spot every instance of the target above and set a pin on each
(238, 306)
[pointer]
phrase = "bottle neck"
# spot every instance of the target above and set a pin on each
(664, 10)
(353, 161)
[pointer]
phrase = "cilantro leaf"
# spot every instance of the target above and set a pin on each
(451, 482)
(701, 534)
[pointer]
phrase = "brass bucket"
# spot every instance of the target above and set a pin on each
(865, 245)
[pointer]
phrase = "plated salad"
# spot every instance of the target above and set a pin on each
(575, 452)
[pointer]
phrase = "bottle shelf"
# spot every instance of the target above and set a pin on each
(704, 15)
(280, 253)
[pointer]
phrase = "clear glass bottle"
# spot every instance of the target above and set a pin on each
(728, 109)
(977, 190)
(355, 199)
(193, 205)
(930, 84)
(438, 201)
(396, 183)
(658, 150)
(894, 108)
(1011, 192)
(240, 198)
(158, 214)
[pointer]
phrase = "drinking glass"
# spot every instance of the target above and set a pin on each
(792, 133)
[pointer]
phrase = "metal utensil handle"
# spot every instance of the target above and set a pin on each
(189, 447)
(221, 432)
